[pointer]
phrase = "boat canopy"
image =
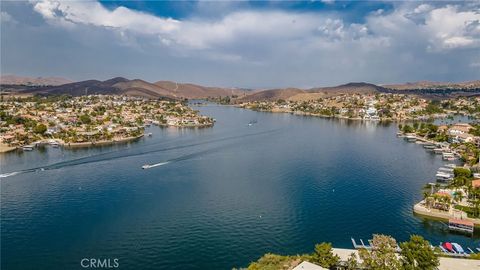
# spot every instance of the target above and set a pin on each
(458, 248)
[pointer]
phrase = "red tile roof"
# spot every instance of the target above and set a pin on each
(476, 183)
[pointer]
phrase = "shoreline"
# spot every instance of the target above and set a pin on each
(420, 210)
(5, 148)
(101, 143)
(439, 116)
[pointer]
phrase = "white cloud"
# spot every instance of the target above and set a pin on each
(6, 18)
(412, 39)
(452, 28)
(444, 28)
(93, 13)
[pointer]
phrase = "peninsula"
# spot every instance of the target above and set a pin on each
(88, 120)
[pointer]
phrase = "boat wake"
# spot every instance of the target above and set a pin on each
(119, 155)
(5, 175)
(148, 166)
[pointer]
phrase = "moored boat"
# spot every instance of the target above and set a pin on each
(461, 225)
(448, 156)
(429, 146)
(448, 246)
(458, 248)
(28, 147)
(451, 165)
(444, 169)
(410, 138)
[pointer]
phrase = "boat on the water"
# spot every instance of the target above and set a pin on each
(448, 246)
(148, 166)
(429, 146)
(410, 138)
(451, 165)
(444, 169)
(458, 248)
(54, 143)
(444, 176)
(461, 225)
(448, 156)
(28, 147)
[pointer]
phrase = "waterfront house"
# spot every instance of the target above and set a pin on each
(308, 266)
(459, 128)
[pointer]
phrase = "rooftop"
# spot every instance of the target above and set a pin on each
(308, 266)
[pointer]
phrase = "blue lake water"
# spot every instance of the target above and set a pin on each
(225, 196)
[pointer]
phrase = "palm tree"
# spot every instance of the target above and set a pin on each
(426, 197)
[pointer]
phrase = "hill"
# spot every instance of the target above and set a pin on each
(194, 91)
(175, 90)
(39, 81)
(296, 94)
(434, 85)
(272, 95)
(80, 88)
(122, 86)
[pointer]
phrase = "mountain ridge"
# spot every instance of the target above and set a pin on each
(176, 90)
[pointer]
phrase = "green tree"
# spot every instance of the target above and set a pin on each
(40, 129)
(383, 256)
(324, 256)
(85, 119)
(408, 129)
(417, 254)
(352, 263)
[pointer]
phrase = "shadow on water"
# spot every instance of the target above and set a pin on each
(440, 227)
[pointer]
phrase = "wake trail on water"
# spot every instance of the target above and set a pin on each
(101, 157)
(189, 156)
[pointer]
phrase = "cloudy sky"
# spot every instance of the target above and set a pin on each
(243, 44)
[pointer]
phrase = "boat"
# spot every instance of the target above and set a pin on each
(410, 138)
(149, 134)
(444, 169)
(443, 249)
(461, 225)
(28, 147)
(444, 177)
(54, 143)
(148, 166)
(429, 146)
(448, 156)
(458, 248)
(451, 165)
(448, 246)
(439, 150)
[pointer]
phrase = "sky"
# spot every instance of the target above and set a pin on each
(262, 44)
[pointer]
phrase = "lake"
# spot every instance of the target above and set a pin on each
(223, 197)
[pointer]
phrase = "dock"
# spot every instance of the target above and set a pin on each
(359, 246)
